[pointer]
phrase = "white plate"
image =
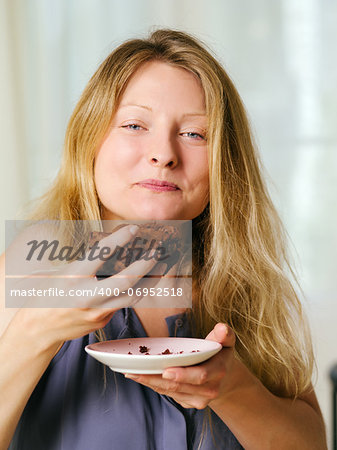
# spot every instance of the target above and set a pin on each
(124, 355)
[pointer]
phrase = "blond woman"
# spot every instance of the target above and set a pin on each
(160, 133)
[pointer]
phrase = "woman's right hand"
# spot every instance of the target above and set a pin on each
(54, 325)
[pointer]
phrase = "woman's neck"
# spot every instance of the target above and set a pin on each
(153, 320)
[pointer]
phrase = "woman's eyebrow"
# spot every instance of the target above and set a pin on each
(202, 114)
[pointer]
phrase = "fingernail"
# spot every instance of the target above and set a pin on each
(223, 326)
(133, 229)
(131, 376)
(169, 375)
(152, 253)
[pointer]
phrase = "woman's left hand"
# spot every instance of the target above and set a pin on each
(198, 386)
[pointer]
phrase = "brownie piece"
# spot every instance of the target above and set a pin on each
(143, 349)
(149, 236)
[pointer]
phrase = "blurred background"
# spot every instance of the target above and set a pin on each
(280, 55)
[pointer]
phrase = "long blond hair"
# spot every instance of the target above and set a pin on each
(240, 261)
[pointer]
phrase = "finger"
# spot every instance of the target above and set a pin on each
(223, 334)
(152, 279)
(129, 276)
(157, 271)
(115, 289)
(123, 300)
(187, 393)
(172, 272)
(96, 256)
(200, 374)
(158, 384)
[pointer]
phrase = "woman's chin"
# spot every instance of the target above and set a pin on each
(138, 209)
(156, 216)
(158, 213)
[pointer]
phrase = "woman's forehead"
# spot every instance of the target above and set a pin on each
(159, 81)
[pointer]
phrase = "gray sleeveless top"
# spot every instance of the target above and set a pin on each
(71, 409)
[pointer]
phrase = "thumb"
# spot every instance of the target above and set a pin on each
(223, 334)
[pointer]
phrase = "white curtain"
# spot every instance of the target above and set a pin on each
(281, 56)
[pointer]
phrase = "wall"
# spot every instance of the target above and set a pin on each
(281, 57)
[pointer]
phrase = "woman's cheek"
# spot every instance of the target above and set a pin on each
(125, 152)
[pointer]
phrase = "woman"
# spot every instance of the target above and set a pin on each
(163, 112)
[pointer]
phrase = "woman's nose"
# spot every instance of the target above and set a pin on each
(160, 161)
(163, 155)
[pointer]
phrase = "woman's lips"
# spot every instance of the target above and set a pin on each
(158, 185)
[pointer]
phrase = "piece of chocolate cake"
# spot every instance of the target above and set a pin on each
(167, 239)
(143, 349)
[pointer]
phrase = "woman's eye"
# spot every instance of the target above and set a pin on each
(194, 135)
(132, 126)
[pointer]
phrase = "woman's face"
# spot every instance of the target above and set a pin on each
(152, 164)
